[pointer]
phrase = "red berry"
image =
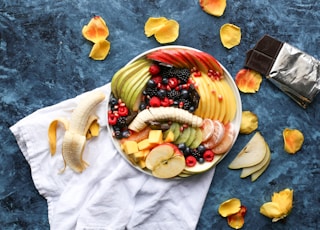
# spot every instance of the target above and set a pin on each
(154, 69)
(165, 102)
(112, 119)
(208, 155)
(191, 161)
(157, 79)
(173, 82)
(155, 102)
(123, 111)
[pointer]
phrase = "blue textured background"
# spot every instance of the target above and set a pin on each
(44, 60)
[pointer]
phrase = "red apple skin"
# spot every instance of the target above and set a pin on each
(175, 148)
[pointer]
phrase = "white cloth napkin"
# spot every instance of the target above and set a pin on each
(109, 194)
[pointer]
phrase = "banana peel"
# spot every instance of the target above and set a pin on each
(81, 127)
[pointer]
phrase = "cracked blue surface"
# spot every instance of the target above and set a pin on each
(44, 60)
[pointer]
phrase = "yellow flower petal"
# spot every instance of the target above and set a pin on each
(100, 50)
(280, 206)
(168, 33)
(293, 140)
(153, 25)
(271, 210)
(230, 35)
(96, 30)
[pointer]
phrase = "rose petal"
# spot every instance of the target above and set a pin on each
(168, 33)
(230, 35)
(213, 7)
(293, 140)
(249, 122)
(271, 210)
(100, 50)
(248, 81)
(153, 25)
(236, 221)
(229, 207)
(96, 30)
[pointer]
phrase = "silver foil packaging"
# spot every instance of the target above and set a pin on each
(293, 71)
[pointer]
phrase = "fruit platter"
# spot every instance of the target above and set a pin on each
(173, 112)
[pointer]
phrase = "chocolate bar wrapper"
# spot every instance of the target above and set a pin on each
(293, 71)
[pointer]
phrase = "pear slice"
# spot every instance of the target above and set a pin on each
(252, 154)
(258, 173)
(250, 170)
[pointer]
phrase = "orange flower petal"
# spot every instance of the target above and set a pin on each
(96, 30)
(248, 81)
(230, 35)
(293, 140)
(100, 50)
(236, 221)
(153, 25)
(213, 7)
(168, 33)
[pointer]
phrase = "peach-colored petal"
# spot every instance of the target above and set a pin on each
(213, 7)
(96, 30)
(293, 140)
(236, 221)
(248, 81)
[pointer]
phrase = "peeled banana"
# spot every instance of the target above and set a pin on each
(164, 113)
(81, 127)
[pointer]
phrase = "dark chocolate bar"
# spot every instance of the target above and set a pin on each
(294, 72)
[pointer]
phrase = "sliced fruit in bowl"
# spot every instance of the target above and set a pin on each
(188, 98)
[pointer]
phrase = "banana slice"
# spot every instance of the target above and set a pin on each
(162, 114)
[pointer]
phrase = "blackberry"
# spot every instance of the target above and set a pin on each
(151, 92)
(186, 104)
(173, 94)
(121, 122)
(166, 72)
(182, 74)
(195, 153)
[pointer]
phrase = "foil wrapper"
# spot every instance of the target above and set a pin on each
(297, 74)
(293, 71)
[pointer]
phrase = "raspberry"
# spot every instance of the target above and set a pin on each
(191, 161)
(208, 155)
(157, 79)
(155, 102)
(154, 69)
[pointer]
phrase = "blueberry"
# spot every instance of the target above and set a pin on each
(182, 146)
(151, 83)
(184, 94)
(142, 106)
(125, 133)
(191, 109)
(118, 134)
(165, 81)
(200, 160)
(162, 93)
(201, 149)
(113, 101)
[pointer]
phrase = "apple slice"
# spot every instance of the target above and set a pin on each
(250, 170)
(252, 154)
(165, 161)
